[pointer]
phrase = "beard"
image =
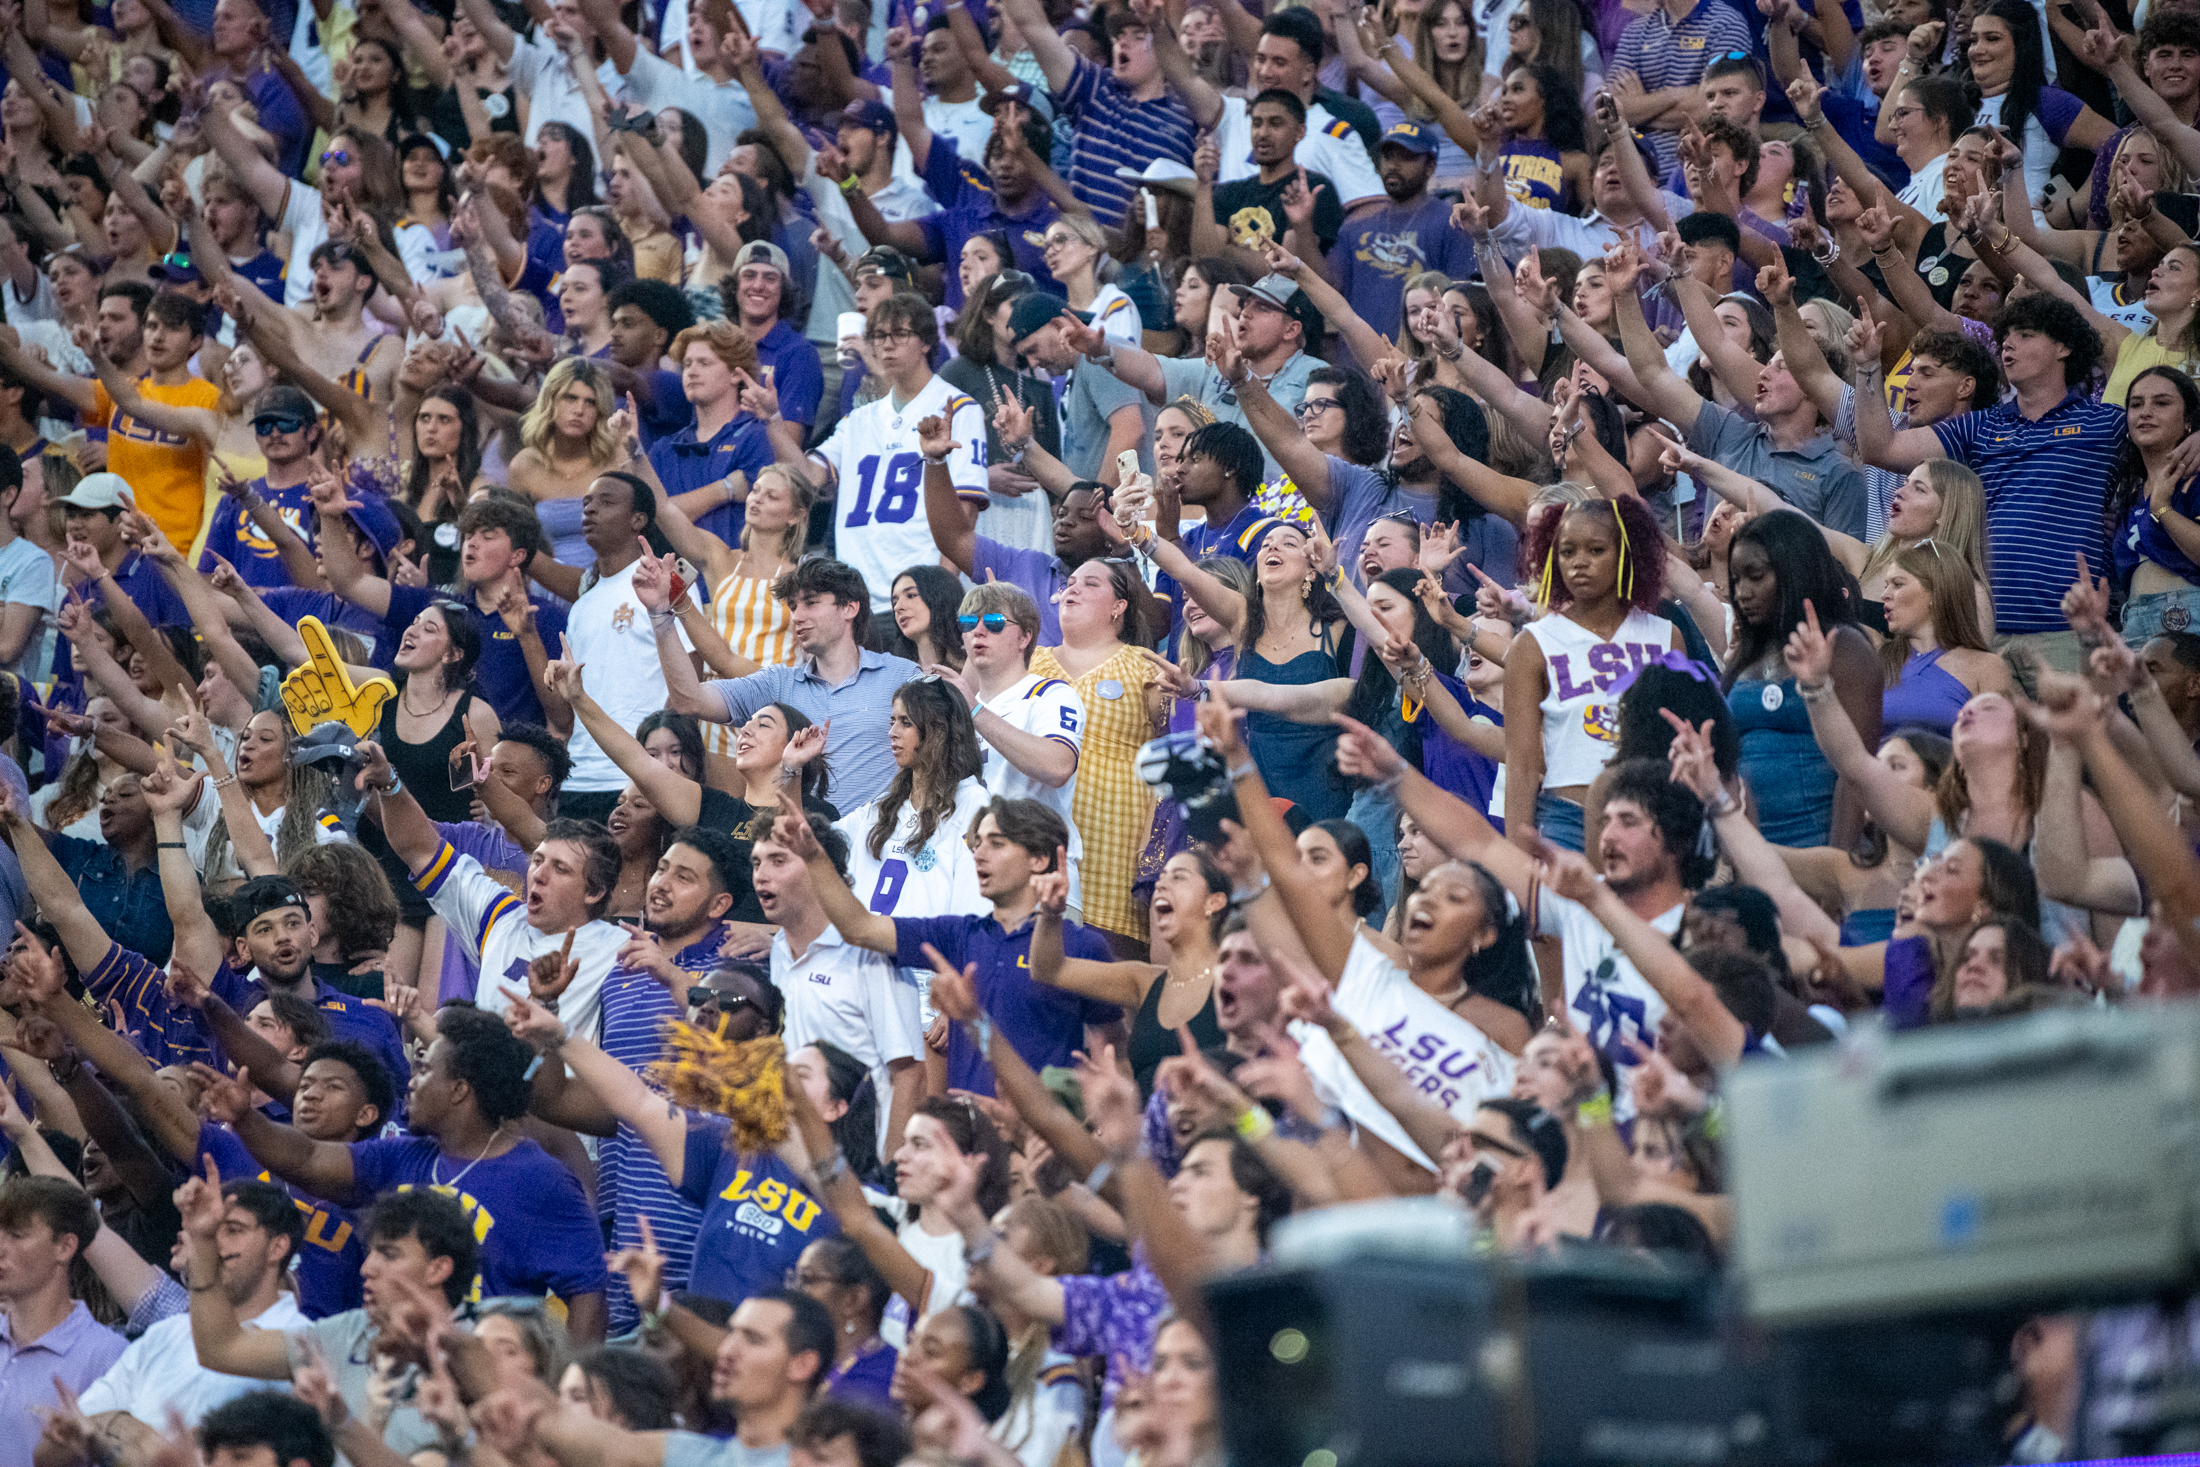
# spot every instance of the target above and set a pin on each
(1414, 471)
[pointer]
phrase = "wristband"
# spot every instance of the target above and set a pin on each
(1727, 804)
(942, 459)
(652, 1320)
(225, 781)
(1246, 894)
(832, 1169)
(851, 183)
(1812, 692)
(1238, 771)
(170, 845)
(1254, 1126)
(1594, 1112)
(1098, 1176)
(980, 1032)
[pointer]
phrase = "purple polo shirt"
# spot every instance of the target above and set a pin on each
(1045, 1026)
(79, 1349)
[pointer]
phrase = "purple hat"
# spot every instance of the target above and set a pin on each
(1024, 94)
(870, 112)
(1414, 137)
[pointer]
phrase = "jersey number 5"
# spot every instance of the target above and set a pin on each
(897, 496)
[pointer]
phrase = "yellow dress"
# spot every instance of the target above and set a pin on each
(755, 624)
(1113, 807)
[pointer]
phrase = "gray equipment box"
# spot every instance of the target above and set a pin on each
(2049, 1159)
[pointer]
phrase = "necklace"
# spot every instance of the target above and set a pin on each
(437, 1181)
(406, 701)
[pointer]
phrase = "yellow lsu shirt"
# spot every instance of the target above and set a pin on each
(166, 472)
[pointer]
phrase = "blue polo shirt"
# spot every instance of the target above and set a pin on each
(501, 675)
(968, 207)
(856, 749)
(686, 463)
(1045, 1026)
(2044, 485)
(790, 364)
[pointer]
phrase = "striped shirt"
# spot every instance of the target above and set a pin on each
(1662, 53)
(2044, 484)
(630, 1182)
(1115, 130)
(756, 625)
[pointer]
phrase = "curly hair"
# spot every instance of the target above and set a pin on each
(488, 1057)
(947, 754)
(1640, 570)
(362, 906)
(1366, 423)
(1675, 810)
(2054, 318)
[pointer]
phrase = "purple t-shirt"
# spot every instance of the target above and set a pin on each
(538, 1234)
(1377, 253)
(758, 1215)
(1036, 573)
(334, 1248)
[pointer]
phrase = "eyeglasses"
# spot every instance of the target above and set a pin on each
(888, 338)
(341, 157)
(992, 621)
(1314, 407)
(269, 427)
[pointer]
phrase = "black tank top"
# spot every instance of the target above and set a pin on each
(1151, 1044)
(426, 768)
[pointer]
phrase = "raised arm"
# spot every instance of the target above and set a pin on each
(322, 1168)
(268, 187)
(1057, 62)
(1904, 812)
(854, 922)
(1199, 95)
(1670, 396)
(217, 1334)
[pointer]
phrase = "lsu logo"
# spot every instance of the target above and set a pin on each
(2070, 432)
(1252, 227)
(623, 618)
(1600, 721)
(792, 1206)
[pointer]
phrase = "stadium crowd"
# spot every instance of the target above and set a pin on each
(737, 728)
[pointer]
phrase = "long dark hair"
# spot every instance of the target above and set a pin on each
(941, 591)
(1319, 604)
(1377, 692)
(816, 777)
(465, 640)
(856, 1132)
(469, 448)
(1763, 342)
(1353, 846)
(2127, 476)
(1468, 428)
(1366, 423)
(1124, 581)
(947, 752)
(580, 189)
(622, 248)
(403, 114)
(446, 191)
(2028, 70)
(1936, 754)
(1564, 125)
(1807, 571)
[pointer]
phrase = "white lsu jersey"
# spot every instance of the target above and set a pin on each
(878, 512)
(490, 926)
(1050, 709)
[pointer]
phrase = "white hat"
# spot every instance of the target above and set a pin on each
(101, 491)
(1163, 173)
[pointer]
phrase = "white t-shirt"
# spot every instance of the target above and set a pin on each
(204, 815)
(878, 501)
(490, 926)
(943, 1255)
(27, 578)
(1448, 1058)
(724, 107)
(1926, 188)
(544, 76)
(851, 998)
(902, 199)
(610, 631)
(2040, 151)
(1607, 999)
(2135, 317)
(160, 1371)
(936, 879)
(1116, 314)
(966, 123)
(1330, 147)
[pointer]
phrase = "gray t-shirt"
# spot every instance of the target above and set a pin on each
(1094, 396)
(347, 1343)
(1814, 478)
(1193, 377)
(690, 1449)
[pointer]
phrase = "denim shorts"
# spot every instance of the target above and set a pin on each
(1559, 821)
(2147, 617)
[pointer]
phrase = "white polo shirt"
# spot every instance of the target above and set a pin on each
(610, 632)
(851, 998)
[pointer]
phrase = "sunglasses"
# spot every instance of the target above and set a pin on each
(268, 427)
(341, 157)
(1401, 516)
(992, 621)
(176, 261)
(720, 999)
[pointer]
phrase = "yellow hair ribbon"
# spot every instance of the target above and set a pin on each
(1550, 570)
(1624, 581)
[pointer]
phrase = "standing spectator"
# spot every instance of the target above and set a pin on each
(764, 293)
(1102, 416)
(704, 465)
(1124, 116)
(1280, 203)
(48, 1339)
(707, 88)
(1660, 61)
(1379, 251)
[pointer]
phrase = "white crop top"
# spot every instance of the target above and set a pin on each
(1580, 715)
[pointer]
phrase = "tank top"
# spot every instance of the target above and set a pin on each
(426, 767)
(1151, 1044)
(561, 521)
(1580, 714)
(1928, 695)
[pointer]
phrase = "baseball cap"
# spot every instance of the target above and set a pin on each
(264, 894)
(884, 260)
(283, 402)
(1414, 137)
(1164, 173)
(870, 112)
(1284, 294)
(101, 491)
(764, 252)
(175, 269)
(1022, 93)
(1035, 310)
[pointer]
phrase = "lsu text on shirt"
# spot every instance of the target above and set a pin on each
(878, 516)
(758, 1214)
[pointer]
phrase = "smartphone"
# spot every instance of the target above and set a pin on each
(466, 771)
(1126, 466)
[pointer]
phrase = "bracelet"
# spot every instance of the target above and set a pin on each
(652, 1320)
(978, 1252)
(1098, 1176)
(1815, 692)
(942, 459)
(170, 845)
(1244, 894)
(663, 617)
(851, 183)
(1254, 1126)
(1727, 805)
(831, 1170)
(1237, 772)
(980, 1033)
(1457, 351)
(1833, 252)
(1595, 1111)
(225, 781)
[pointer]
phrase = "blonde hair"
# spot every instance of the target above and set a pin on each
(1010, 601)
(727, 342)
(803, 494)
(1466, 87)
(1960, 527)
(1086, 230)
(1436, 282)
(538, 427)
(1194, 656)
